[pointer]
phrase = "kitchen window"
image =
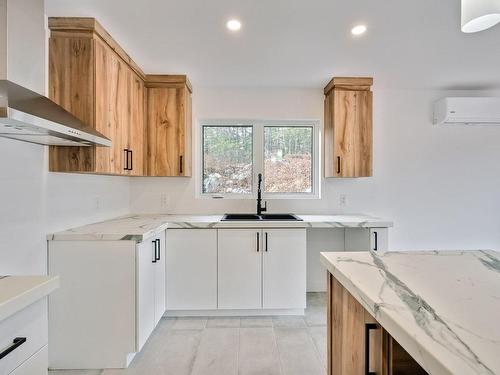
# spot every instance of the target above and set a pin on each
(233, 153)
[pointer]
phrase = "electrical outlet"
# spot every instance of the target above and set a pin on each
(164, 201)
(343, 200)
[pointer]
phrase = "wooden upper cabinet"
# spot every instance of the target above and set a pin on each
(168, 126)
(147, 117)
(348, 139)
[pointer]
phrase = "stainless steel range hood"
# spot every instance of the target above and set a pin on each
(31, 117)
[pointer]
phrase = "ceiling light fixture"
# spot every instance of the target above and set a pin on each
(358, 30)
(479, 15)
(233, 25)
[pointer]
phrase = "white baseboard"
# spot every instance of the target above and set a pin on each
(183, 313)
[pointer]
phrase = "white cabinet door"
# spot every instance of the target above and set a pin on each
(160, 279)
(37, 364)
(145, 290)
(379, 239)
(191, 276)
(284, 268)
(240, 269)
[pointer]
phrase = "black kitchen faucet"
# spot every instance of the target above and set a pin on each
(260, 209)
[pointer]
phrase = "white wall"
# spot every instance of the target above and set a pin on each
(34, 202)
(440, 185)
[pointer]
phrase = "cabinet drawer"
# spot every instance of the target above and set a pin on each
(37, 364)
(29, 323)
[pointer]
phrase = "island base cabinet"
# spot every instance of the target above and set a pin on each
(191, 261)
(357, 344)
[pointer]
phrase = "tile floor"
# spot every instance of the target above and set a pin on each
(284, 345)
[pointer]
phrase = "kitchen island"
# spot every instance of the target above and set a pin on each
(414, 312)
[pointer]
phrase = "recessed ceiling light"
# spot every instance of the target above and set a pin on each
(358, 30)
(233, 25)
(479, 15)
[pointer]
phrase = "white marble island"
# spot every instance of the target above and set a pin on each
(442, 307)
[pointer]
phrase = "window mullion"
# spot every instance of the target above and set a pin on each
(258, 156)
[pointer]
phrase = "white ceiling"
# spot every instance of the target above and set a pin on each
(299, 43)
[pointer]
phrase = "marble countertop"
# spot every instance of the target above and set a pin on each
(443, 307)
(140, 227)
(18, 292)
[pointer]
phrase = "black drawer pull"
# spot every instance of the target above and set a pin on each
(16, 343)
(155, 244)
(375, 245)
(258, 241)
(368, 328)
(159, 249)
(266, 242)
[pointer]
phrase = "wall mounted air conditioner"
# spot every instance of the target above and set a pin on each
(467, 110)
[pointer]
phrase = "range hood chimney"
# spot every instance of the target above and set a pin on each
(31, 117)
(24, 114)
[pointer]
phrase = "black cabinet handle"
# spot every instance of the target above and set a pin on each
(258, 241)
(126, 159)
(155, 244)
(266, 242)
(180, 164)
(159, 249)
(131, 160)
(368, 328)
(338, 164)
(375, 245)
(16, 343)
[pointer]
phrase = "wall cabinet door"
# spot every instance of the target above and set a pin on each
(169, 131)
(284, 268)
(136, 129)
(160, 304)
(191, 262)
(348, 139)
(240, 269)
(145, 290)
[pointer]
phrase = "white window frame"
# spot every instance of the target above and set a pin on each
(258, 158)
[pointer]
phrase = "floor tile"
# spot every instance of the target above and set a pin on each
(298, 355)
(189, 323)
(315, 316)
(251, 321)
(319, 336)
(258, 353)
(230, 322)
(166, 352)
(218, 352)
(288, 322)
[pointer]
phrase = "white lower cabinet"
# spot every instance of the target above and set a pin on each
(35, 365)
(240, 269)
(191, 260)
(23, 341)
(111, 297)
(284, 269)
(150, 268)
(262, 269)
(365, 239)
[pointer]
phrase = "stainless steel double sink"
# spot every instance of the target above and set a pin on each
(261, 217)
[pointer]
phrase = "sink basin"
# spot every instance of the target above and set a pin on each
(263, 217)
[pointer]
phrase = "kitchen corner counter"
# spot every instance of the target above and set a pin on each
(140, 227)
(18, 292)
(442, 307)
